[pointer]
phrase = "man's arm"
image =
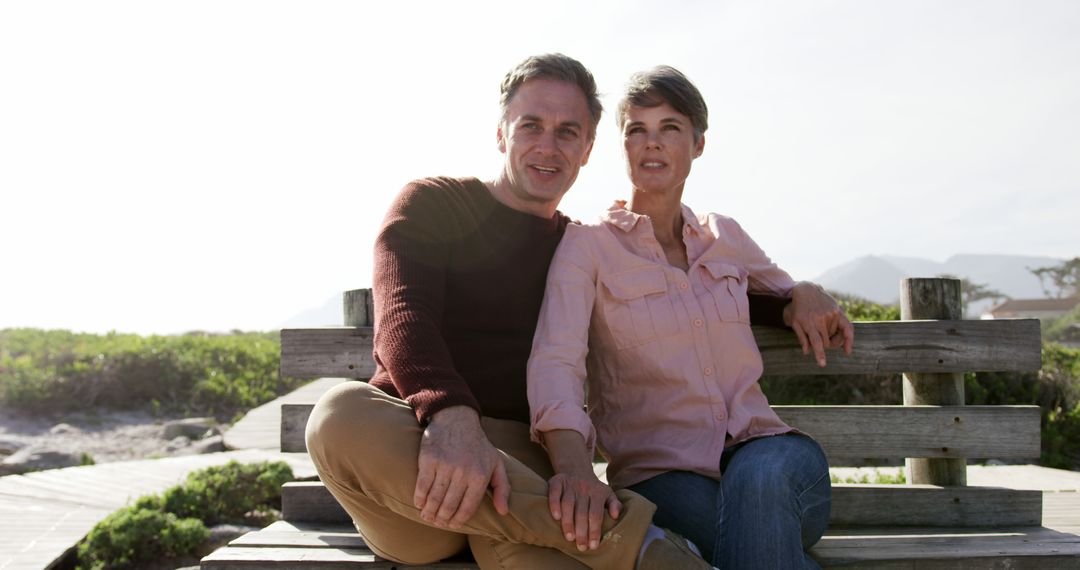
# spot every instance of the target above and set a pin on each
(412, 251)
(456, 462)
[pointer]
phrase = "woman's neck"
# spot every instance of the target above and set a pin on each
(665, 212)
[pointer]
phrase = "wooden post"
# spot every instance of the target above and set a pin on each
(933, 299)
(358, 308)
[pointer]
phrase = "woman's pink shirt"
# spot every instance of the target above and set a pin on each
(667, 355)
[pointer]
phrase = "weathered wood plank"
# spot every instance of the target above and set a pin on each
(296, 539)
(906, 548)
(1002, 432)
(294, 419)
(880, 348)
(930, 506)
(340, 352)
(854, 505)
(296, 534)
(933, 298)
(937, 549)
(310, 502)
(920, 431)
(286, 558)
(913, 346)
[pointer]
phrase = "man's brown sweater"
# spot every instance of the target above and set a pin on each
(459, 279)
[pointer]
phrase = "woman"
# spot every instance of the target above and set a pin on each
(650, 306)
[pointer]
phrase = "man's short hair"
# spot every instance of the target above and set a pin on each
(665, 84)
(552, 66)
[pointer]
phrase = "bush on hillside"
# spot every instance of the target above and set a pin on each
(209, 374)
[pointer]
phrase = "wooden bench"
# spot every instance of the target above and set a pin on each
(935, 521)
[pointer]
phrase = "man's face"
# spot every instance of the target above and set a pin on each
(546, 137)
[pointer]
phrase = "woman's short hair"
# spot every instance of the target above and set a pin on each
(552, 66)
(665, 84)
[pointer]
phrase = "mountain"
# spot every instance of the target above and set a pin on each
(877, 277)
(329, 314)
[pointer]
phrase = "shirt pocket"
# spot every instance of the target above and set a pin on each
(638, 309)
(727, 284)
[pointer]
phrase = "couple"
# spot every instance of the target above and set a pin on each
(650, 309)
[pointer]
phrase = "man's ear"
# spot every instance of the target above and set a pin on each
(501, 138)
(699, 146)
(588, 151)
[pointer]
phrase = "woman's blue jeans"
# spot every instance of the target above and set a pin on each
(770, 505)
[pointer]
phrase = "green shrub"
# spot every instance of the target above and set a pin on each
(175, 523)
(1055, 388)
(858, 309)
(877, 478)
(194, 373)
(840, 390)
(211, 493)
(133, 535)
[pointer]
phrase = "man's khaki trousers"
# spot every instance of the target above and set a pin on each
(365, 445)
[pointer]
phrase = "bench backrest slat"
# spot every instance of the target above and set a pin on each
(880, 348)
(1001, 432)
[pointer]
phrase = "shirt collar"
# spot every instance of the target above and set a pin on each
(619, 216)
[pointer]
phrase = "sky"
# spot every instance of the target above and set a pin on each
(219, 165)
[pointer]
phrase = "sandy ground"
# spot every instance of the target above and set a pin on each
(106, 435)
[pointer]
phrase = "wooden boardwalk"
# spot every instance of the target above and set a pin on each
(260, 427)
(44, 514)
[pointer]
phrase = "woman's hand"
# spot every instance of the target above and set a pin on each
(579, 500)
(818, 321)
(576, 497)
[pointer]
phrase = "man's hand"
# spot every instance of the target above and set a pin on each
(818, 321)
(456, 465)
(579, 501)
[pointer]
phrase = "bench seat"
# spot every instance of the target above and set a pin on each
(289, 545)
(927, 526)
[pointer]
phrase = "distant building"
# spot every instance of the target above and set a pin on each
(1071, 338)
(1032, 308)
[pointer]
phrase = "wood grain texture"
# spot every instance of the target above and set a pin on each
(880, 348)
(930, 506)
(933, 299)
(359, 311)
(853, 505)
(1002, 432)
(920, 431)
(340, 352)
(913, 346)
(310, 501)
(938, 549)
(890, 548)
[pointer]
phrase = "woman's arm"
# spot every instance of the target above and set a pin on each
(813, 314)
(556, 389)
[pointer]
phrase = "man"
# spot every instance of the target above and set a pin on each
(460, 267)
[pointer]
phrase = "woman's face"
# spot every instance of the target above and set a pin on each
(660, 147)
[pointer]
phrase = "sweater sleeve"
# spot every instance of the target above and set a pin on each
(409, 287)
(767, 310)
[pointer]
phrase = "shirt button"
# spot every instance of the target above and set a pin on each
(708, 370)
(720, 416)
(698, 322)
(683, 285)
